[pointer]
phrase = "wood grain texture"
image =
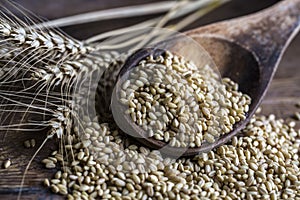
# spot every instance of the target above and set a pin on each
(283, 93)
(55, 9)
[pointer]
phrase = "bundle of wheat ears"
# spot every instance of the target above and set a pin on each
(45, 73)
(54, 84)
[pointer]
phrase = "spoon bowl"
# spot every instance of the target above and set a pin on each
(247, 50)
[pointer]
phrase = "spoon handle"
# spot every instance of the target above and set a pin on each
(266, 34)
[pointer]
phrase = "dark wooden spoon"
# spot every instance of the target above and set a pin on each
(246, 49)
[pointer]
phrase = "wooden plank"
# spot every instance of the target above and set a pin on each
(284, 92)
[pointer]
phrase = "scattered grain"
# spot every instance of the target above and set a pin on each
(7, 164)
(297, 115)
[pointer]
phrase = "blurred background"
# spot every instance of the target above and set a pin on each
(50, 9)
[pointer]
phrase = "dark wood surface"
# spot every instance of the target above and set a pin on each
(281, 98)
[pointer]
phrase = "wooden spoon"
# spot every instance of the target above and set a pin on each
(246, 49)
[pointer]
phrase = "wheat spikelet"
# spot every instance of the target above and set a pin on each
(49, 42)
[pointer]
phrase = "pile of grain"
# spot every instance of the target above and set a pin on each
(261, 164)
(182, 104)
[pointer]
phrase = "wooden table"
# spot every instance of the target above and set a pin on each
(284, 91)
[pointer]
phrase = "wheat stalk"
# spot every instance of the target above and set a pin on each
(190, 7)
(115, 13)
